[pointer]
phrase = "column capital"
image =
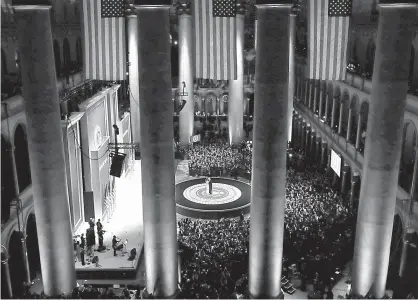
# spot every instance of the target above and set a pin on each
(183, 7)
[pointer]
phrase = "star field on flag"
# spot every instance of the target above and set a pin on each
(224, 8)
(113, 8)
(339, 8)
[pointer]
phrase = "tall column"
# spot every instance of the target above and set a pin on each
(321, 101)
(315, 95)
(414, 177)
(318, 151)
(6, 272)
(236, 87)
(354, 182)
(358, 133)
(132, 32)
(306, 96)
(405, 247)
(397, 25)
(46, 149)
(291, 85)
(269, 153)
(329, 169)
(344, 179)
(350, 125)
(340, 119)
(159, 210)
(311, 90)
(323, 154)
(307, 144)
(326, 105)
(303, 137)
(186, 73)
(312, 149)
(335, 99)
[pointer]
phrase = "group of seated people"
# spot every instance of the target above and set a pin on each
(218, 158)
(319, 228)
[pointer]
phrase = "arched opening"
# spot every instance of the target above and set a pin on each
(3, 63)
(57, 57)
(344, 116)
(67, 56)
(7, 181)
(395, 252)
(371, 49)
(79, 52)
(32, 247)
(408, 156)
(22, 158)
(353, 120)
(364, 115)
(16, 264)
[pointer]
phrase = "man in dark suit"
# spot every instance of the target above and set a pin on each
(115, 242)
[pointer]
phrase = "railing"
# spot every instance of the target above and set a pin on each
(70, 99)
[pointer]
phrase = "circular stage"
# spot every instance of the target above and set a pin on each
(229, 198)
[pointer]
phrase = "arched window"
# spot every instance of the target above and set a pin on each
(22, 158)
(3, 63)
(57, 56)
(67, 56)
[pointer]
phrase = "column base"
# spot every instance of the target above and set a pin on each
(280, 296)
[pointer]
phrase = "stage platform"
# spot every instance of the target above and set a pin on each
(126, 224)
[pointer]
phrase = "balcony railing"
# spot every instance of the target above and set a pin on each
(71, 98)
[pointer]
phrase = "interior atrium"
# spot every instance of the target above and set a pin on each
(215, 149)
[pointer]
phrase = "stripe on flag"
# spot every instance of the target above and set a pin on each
(328, 23)
(215, 39)
(104, 40)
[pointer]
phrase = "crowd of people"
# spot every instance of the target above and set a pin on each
(218, 158)
(319, 228)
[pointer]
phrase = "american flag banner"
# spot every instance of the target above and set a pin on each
(104, 39)
(215, 39)
(328, 24)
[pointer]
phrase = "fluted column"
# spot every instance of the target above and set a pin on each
(236, 87)
(358, 133)
(186, 74)
(291, 85)
(46, 149)
(132, 33)
(397, 26)
(159, 210)
(269, 152)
